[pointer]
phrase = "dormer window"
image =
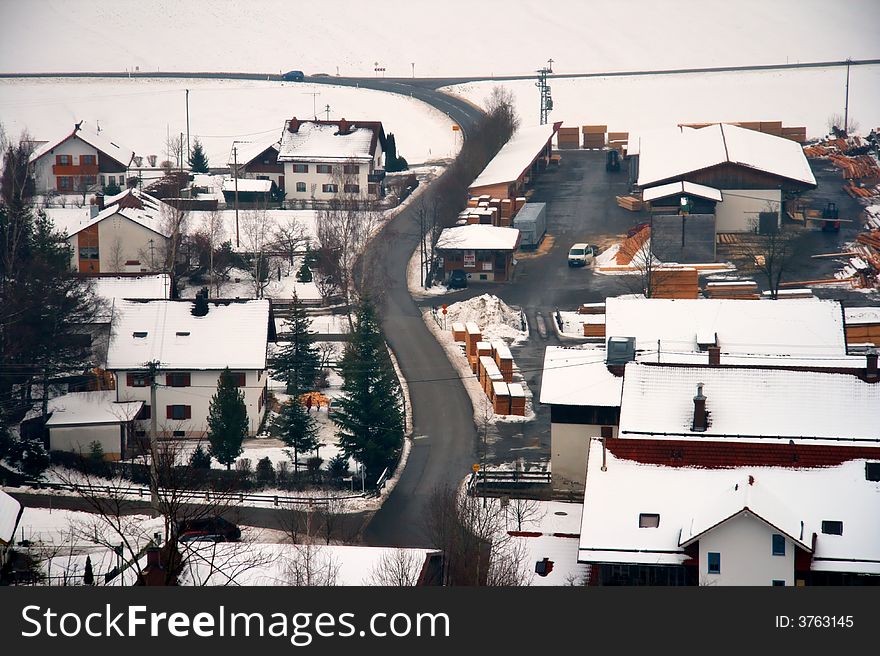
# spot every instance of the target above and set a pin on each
(649, 520)
(139, 334)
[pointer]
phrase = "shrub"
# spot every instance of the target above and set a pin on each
(337, 468)
(200, 459)
(265, 471)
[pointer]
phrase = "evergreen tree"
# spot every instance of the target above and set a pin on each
(304, 274)
(296, 427)
(338, 467)
(89, 575)
(198, 161)
(369, 413)
(393, 162)
(227, 421)
(297, 361)
(200, 459)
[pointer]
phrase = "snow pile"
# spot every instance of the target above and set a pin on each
(607, 257)
(496, 319)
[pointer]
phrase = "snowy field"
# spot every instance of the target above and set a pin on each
(428, 38)
(141, 113)
(802, 97)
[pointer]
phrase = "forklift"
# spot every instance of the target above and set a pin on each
(831, 218)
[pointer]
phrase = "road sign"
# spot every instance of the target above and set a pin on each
(475, 467)
(445, 311)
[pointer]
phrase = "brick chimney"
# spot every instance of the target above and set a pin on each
(699, 410)
(714, 356)
(99, 201)
(343, 126)
(293, 125)
(871, 372)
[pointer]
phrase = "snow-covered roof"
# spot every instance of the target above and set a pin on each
(244, 563)
(562, 552)
(233, 334)
(321, 140)
(578, 377)
(247, 185)
(135, 197)
(516, 156)
(84, 132)
(83, 408)
(478, 237)
(665, 155)
(248, 151)
(676, 188)
(749, 404)
(153, 285)
(855, 316)
(808, 327)
(148, 217)
(10, 511)
(686, 497)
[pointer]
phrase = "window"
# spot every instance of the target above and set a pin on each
(89, 180)
(145, 413)
(301, 168)
(177, 380)
(88, 252)
(121, 180)
(324, 168)
(178, 433)
(262, 177)
(262, 400)
(649, 520)
(714, 559)
(64, 160)
(239, 378)
(778, 545)
(178, 412)
(329, 188)
(86, 160)
(872, 471)
(301, 187)
(351, 169)
(352, 189)
(103, 181)
(182, 333)
(65, 183)
(778, 584)
(832, 527)
(137, 380)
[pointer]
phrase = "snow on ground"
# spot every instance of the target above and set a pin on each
(141, 113)
(240, 285)
(157, 35)
(800, 97)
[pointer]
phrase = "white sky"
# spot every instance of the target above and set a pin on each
(441, 38)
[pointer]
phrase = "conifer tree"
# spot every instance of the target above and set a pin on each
(227, 421)
(297, 361)
(88, 574)
(296, 427)
(369, 415)
(198, 161)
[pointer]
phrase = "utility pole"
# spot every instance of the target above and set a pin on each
(314, 109)
(413, 64)
(188, 151)
(846, 104)
(181, 151)
(422, 245)
(546, 100)
(235, 174)
(327, 110)
(153, 367)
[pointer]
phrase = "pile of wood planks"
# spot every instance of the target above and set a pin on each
(567, 138)
(594, 135)
(675, 283)
(860, 192)
(727, 238)
(632, 245)
(853, 168)
(631, 203)
(871, 239)
(738, 289)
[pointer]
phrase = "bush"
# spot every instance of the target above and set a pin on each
(96, 451)
(200, 459)
(337, 468)
(265, 471)
(313, 467)
(244, 468)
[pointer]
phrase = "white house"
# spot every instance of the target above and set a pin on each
(323, 159)
(82, 159)
(753, 171)
(257, 161)
(79, 419)
(190, 352)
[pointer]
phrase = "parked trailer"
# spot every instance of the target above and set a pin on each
(531, 221)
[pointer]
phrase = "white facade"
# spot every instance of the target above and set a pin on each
(739, 210)
(46, 173)
(311, 185)
(745, 545)
(196, 397)
(121, 240)
(569, 447)
(79, 439)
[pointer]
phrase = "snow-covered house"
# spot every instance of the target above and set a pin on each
(123, 233)
(753, 171)
(77, 420)
(484, 252)
(257, 161)
(325, 159)
(190, 352)
(10, 513)
(82, 159)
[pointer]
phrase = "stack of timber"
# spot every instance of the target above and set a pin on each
(458, 332)
(504, 359)
(857, 167)
(594, 325)
(594, 136)
(591, 308)
(631, 203)
(501, 398)
(674, 283)
(618, 141)
(473, 334)
(737, 289)
(567, 138)
(630, 246)
(517, 399)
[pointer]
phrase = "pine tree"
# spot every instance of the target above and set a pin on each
(304, 274)
(369, 413)
(89, 575)
(296, 427)
(297, 362)
(393, 162)
(198, 161)
(200, 459)
(227, 421)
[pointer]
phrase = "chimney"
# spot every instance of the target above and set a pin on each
(871, 372)
(99, 201)
(153, 559)
(714, 356)
(751, 480)
(293, 125)
(93, 210)
(699, 410)
(343, 126)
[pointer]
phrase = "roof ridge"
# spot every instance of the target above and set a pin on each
(724, 141)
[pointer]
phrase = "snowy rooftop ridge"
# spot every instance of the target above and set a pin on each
(233, 334)
(478, 237)
(668, 154)
(82, 131)
(82, 408)
(246, 152)
(322, 140)
(689, 188)
(516, 156)
(247, 185)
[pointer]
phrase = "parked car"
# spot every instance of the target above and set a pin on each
(320, 74)
(293, 76)
(580, 254)
(457, 279)
(213, 529)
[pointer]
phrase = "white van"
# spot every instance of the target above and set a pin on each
(580, 255)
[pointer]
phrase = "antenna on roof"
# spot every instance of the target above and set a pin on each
(98, 125)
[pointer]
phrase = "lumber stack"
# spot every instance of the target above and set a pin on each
(517, 399)
(871, 239)
(675, 283)
(860, 166)
(632, 245)
(504, 359)
(727, 238)
(772, 127)
(472, 336)
(631, 203)
(594, 135)
(591, 308)
(567, 138)
(860, 192)
(500, 398)
(458, 332)
(737, 289)
(595, 326)
(798, 134)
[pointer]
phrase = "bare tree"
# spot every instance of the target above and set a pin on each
(174, 223)
(212, 231)
(255, 229)
(332, 514)
(290, 237)
(836, 127)
(770, 254)
(174, 150)
(223, 563)
(522, 512)
(116, 259)
(311, 565)
(399, 568)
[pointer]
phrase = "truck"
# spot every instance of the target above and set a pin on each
(531, 221)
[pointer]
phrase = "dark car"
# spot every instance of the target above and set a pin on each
(214, 529)
(321, 75)
(293, 76)
(457, 279)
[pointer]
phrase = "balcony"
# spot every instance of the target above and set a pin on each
(376, 176)
(74, 169)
